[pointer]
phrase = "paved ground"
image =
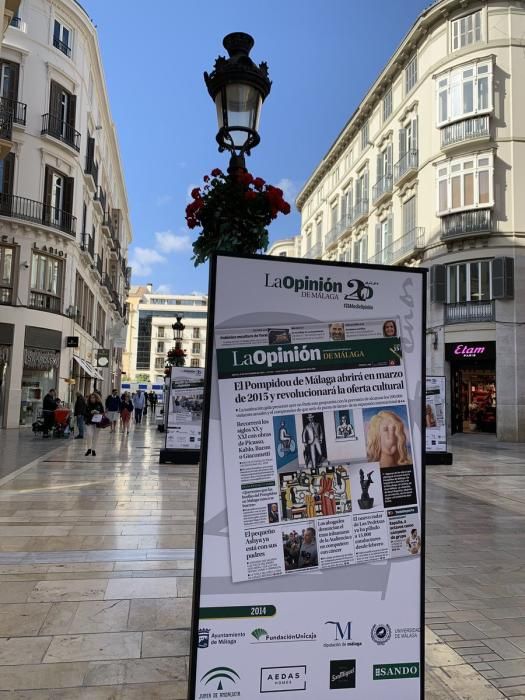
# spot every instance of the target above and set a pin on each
(96, 560)
(19, 447)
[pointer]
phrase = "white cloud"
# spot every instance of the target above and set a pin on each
(289, 188)
(163, 289)
(143, 259)
(163, 199)
(169, 242)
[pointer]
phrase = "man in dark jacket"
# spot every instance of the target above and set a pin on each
(113, 409)
(48, 406)
(79, 411)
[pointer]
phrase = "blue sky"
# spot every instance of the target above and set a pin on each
(322, 56)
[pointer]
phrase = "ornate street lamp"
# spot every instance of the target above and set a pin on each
(177, 356)
(238, 87)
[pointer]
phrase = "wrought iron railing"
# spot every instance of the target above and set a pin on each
(400, 248)
(108, 223)
(56, 127)
(473, 128)
(37, 212)
(45, 302)
(62, 46)
(6, 295)
(315, 251)
(100, 197)
(88, 244)
(360, 209)
(470, 312)
(406, 164)
(466, 223)
(6, 124)
(18, 110)
(382, 187)
(99, 263)
(15, 22)
(92, 169)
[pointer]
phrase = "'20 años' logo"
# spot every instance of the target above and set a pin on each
(359, 291)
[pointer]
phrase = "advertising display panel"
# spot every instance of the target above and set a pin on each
(184, 408)
(436, 428)
(308, 572)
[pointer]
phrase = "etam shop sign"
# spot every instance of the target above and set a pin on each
(458, 352)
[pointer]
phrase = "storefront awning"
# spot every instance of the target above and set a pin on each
(88, 367)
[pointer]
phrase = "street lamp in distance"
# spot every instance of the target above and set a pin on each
(238, 88)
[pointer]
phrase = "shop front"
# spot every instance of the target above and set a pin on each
(6, 343)
(473, 382)
(40, 370)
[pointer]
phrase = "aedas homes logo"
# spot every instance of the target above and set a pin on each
(388, 672)
(321, 287)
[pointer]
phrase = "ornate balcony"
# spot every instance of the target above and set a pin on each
(382, 189)
(37, 213)
(99, 201)
(88, 245)
(473, 129)
(406, 166)
(18, 110)
(62, 46)
(54, 126)
(466, 223)
(401, 248)
(91, 171)
(315, 251)
(45, 302)
(6, 295)
(470, 312)
(359, 212)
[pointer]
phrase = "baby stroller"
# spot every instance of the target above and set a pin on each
(63, 426)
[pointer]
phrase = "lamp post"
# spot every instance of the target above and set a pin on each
(238, 88)
(176, 357)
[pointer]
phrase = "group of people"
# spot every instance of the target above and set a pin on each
(91, 413)
(300, 550)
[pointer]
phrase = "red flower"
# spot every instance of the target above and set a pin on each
(245, 179)
(196, 193)
(285, 208)
(259, 183)
(206, 178)
(216, 172)
(250, 194)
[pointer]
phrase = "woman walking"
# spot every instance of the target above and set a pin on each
(94, 413)
(126, 411)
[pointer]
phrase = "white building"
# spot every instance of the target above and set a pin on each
(150, 333)
(429, 170)
(64, 223)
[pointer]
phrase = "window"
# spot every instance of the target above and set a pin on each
(384, 236)
(334, 214)
(196, 333)
(464, 92)
(465, 183)
(46, 282)
(159, 363)
(160, 346)
(469, 281)
(319, 230)
(62, 115)
(58, 200)
(7, 166)
(361, 189)
(384, 163)
(62, 38)
(387, 104)
(160, 332)
(335, 177)
(282, 254)
(101, 325)
(9, 81)
(7, 257)
(466, 30)
(360, 249)
(195, 362)
(84, 303)
(196, 348)
(364, 136)
(409, 215)
(347, 202)
(410, 75)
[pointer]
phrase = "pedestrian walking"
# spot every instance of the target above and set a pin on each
(126, 411)
(113, 409)
(79, 412)
(93, 415)
(138, 405)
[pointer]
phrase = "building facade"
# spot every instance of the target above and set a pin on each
(428, 171)
(150, 333)
(64, 223)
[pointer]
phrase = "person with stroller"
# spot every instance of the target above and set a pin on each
(93, 416)
(113, 409)
(48, 406)
(79, 412)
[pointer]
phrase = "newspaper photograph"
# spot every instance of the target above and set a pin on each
(319, 469)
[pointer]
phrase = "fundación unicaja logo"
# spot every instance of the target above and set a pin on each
(222, 675)
(258, 633)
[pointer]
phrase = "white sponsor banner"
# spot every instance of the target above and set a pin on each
(184, 408)
(436, 428)
(308, 565)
